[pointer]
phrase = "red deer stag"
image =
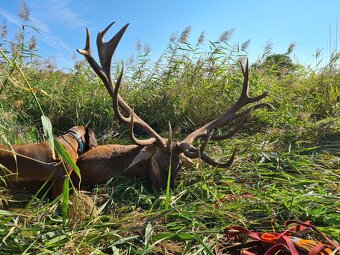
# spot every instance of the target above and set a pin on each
(151, 157)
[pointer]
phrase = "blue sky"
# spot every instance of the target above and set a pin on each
(312, 24)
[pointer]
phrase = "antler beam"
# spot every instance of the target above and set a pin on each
(229, 116)
(105, 53)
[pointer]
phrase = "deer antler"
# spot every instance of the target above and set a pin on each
(230, 115)
(105, 52)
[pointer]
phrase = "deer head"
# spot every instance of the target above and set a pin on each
(162, 154)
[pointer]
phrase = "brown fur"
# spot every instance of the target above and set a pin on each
(102, 163)
(37, 164)
(106, 161)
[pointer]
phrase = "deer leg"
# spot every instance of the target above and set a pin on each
(58, 186)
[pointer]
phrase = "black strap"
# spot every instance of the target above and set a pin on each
(79, 140)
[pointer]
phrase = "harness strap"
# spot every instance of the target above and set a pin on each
(307, 225)
(319, 248)
(241, 231)
(283, 241)
(276, 248)
(290, 245)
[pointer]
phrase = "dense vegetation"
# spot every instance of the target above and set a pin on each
(287, 163)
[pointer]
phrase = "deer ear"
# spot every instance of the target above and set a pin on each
(146, 153)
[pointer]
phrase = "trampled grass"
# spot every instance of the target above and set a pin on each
(265, 187)
(287, 164)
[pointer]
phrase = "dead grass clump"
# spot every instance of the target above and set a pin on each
(81, 208)
(5, 197)
(169, 247)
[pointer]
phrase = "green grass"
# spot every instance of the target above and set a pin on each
(287, 165)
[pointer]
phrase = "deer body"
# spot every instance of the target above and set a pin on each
(106, 161)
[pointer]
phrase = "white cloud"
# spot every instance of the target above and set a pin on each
(57, 11)
(46, 37)
(10, 17)
(55, 42)
(36, 23)
(45, 16)
(14, 19)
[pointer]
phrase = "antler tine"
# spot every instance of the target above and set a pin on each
(245, 98)
(105, 53)
(195, 153)
(245, 113)
(132, 136)
(230, 133)
(115, 100)
(212, 162)
(86, 52)
(206, 141)
(133, 118)
(106, 49)
(229, 116)
(245, 72)
(87, 43)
